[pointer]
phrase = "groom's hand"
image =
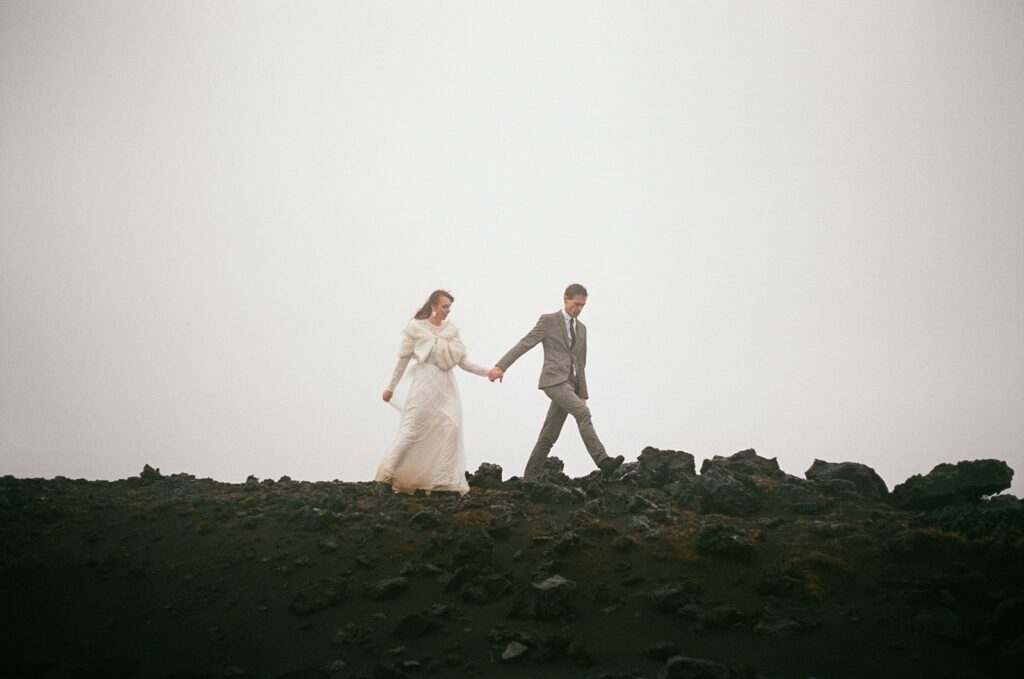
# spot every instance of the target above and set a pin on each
(496, 373)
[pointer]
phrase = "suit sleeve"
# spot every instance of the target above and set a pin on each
(531, 340)
(581, 377)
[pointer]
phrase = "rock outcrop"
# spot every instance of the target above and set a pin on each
(947, 484)
(853, 477)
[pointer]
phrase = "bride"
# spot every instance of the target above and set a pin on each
(428, 453)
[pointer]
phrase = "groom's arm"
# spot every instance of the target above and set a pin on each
(531, 340)
(581, 376)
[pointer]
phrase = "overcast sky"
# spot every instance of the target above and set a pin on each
(801, 225)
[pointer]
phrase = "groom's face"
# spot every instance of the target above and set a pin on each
(574, 305)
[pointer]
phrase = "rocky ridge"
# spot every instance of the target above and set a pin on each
(740, 570)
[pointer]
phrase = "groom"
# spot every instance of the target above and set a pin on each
(563, 378)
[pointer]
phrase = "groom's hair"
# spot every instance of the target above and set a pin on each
(575, 290)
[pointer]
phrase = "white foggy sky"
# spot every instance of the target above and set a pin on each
(801, 224)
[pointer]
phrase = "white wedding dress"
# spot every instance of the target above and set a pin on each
(428, 453)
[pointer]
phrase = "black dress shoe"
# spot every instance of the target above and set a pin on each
(610, 464)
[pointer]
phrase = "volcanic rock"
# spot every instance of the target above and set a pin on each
(487, 475)
(428, 518)
(550, 599)
(744, 463)
(150, 474)
(999, 517)
(172, 577)
(796, 495)
(658, 468)
(953, 483)
(675, 598)
(725, 493)
(485, 589)
(386, 589)
(861, 478)
(514, 651)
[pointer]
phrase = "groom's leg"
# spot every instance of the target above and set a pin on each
(548, 435)
(564, 396)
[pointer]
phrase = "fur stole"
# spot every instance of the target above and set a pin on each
(446, 346)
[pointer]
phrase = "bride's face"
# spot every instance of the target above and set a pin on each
(442, 309)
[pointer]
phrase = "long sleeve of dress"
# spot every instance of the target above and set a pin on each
(471, 367)
(396, 376)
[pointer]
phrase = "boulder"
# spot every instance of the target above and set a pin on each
(675, 598)
(514, 651)
(724, 493)
(386, 589)
(554, 464)
(744, 463)
(150, 474)
(484, 589)
(999, 517)
(685, 492)
(657, 468)
(487, 475)
(865, 481)
(949, 484)
(797, 495)
(549, 599)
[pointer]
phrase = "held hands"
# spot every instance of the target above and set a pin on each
(496, 373)
(387, 395)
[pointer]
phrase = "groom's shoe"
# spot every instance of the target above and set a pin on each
(610, 464)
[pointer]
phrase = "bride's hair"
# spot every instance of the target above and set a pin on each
(428, 306)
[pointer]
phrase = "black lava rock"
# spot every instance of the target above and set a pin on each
(863, 479)
(953, 483)
(488, 475)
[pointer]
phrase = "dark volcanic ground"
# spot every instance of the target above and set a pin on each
(739, 571)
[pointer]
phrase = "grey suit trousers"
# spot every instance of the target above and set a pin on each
(564, 401)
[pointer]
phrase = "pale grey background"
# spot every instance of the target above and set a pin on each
(801, 223)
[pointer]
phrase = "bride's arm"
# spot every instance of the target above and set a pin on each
(396, 376)
(471, 367)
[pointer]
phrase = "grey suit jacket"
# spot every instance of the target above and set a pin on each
(550, 330)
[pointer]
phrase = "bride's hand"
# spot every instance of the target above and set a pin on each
(387, 395)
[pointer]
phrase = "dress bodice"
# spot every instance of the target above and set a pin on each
(437, 345)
